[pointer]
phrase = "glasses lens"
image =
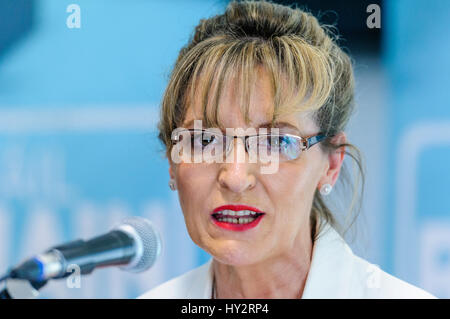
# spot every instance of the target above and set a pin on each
(288, 147)
(207, 144)
(291, 147)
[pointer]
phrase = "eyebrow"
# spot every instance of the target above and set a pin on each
(278, 125)
(189, 123)
(263, 125)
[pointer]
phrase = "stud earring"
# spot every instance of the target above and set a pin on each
(326, 189)
(172, 184)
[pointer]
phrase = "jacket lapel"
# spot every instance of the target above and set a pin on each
(330, 273)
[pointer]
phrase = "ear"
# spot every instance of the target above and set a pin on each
(335, 161)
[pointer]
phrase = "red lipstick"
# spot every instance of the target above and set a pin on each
(225, 221)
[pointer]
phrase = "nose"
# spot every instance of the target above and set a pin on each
(237, 176)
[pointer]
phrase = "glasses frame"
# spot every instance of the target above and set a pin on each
(307, 141)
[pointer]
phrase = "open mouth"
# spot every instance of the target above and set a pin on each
(239, 217)
(236, 217)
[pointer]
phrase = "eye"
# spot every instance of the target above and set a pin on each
(208, 138)
(204, 139)
(285, 141)
(273, 141)
(290, 147)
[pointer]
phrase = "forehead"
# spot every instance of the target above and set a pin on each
(230, 108)
(260, 108)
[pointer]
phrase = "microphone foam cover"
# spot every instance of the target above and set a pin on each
(148, 239)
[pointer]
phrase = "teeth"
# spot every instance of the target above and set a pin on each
(240, 220)
(228, 212)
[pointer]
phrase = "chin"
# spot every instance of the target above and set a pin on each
(235, 254)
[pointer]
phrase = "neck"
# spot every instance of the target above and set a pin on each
(283, 276)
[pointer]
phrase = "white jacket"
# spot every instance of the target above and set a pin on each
(335, 272)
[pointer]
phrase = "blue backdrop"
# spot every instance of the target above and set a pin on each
(418, 210)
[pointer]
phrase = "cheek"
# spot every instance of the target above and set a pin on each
(194, 184)
(292, 189)
(193, 180)
(294, 179)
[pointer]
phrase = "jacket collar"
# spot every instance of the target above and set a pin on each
(329, 275)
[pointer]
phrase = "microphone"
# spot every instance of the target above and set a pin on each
(134, 246)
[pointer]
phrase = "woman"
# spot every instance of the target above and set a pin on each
(277, 75)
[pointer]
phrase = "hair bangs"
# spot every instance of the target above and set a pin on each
(300, 75)
(303, 77)
(229, 65)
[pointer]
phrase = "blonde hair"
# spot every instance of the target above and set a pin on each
(308, 71)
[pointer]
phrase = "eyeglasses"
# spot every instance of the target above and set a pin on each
(213, 145)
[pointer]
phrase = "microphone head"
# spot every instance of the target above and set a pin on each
(147, 242)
